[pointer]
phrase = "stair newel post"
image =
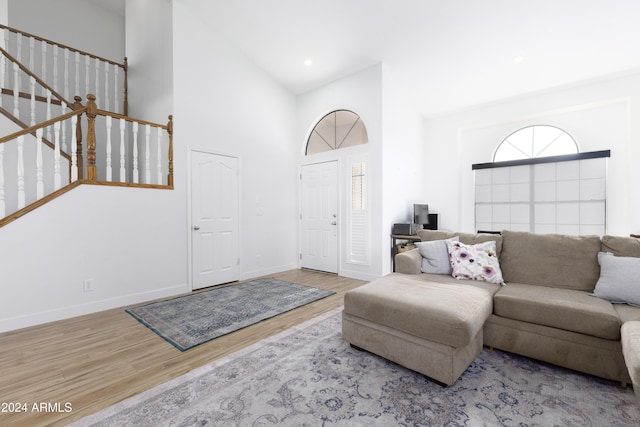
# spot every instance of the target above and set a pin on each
(78, 141)
(92, 112)
(126, 87)
(170, 132)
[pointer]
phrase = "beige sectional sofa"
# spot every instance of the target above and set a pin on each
(544, 310)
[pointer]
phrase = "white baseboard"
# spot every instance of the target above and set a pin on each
(267, 271)
(39, 318)
(358, 275)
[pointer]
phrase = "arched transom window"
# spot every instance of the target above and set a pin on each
(338, 129)
(535, 141)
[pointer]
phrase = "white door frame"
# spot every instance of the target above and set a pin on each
(189, 211)
(338, 207)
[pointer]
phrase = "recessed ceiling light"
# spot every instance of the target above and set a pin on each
(517, 59)
(307, 63)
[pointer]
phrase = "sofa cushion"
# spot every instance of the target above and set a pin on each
(435, 256)
(553, 260)
(475, 262)
(619, 280)
(621, 246)
(466, 238)
(446, 313)
(566, 309)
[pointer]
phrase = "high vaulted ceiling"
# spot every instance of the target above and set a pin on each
(447, 55)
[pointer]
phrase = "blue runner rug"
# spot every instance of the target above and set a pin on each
(190, 320)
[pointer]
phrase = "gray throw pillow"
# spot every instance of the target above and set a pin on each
(619, 280)
(435, 256)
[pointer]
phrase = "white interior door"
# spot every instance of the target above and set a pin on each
(214, 219)
(319, 217)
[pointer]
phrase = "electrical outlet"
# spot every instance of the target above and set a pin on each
(87, 285)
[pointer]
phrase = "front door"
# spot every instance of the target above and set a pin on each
(319, 217)
(214, 219)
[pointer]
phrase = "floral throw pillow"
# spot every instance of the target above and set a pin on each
(475, 262)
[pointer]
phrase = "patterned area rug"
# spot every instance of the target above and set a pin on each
(194, 319)
(309, 376)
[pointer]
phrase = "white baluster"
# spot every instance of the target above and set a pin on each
(66, 73)
(135, 153)
(77, 88)
(49, 114)
(32, 44)
(19, 47)
(43, 46)
(3, 208)
(109, 171)
(16, 91)
(159, 156)
(106, 86)
(97, 65)
(116, 107)
(55, 67)
(3, 65)
(57, 178)
(74, 149)
(21, 195)
(32, 89)
(39, 171)
(63, 108)
(87, 88)
(123, 171)
(147, 156)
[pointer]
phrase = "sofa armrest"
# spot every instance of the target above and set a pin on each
(409, 262)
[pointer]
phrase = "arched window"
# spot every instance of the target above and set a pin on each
(535, 141)
(338, 129)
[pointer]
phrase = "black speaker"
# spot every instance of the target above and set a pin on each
(433, 222)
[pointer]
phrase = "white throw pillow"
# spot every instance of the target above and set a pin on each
(475, 262)
(619, 280)
(435, 256)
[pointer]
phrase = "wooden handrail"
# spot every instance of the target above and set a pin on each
(30, 73)
(23, 125)
(130, 119)
(72, 49)
(32, 129)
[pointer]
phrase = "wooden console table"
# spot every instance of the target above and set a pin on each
(394, 244)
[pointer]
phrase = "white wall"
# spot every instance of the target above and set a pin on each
(149, 47)
(599, 115)
(225, 104)
(402, 182)
(128, 241)
(4, 12)
(80, 24)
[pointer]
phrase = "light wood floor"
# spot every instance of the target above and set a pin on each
(94, 361)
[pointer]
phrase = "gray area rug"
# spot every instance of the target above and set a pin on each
(190, 320)
(309, 376)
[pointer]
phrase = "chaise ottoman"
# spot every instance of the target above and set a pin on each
(432, 327)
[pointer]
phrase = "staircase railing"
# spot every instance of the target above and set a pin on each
(69, 69)
(31, 174)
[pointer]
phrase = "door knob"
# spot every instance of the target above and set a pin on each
(196, 228)
(333, 223)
